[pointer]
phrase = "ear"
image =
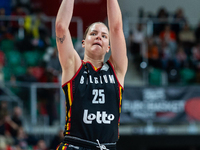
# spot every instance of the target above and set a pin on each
(83, 43)
(108, 49)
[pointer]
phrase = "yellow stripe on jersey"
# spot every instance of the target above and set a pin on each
(58, 146)
(69, 94)
(70, 99)
(120, 105)
(64, 148)
(120, 98)
(95, 68)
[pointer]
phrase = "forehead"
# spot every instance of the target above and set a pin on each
(99, 27)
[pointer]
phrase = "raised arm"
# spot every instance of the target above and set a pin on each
(118, 45)
(69, 59)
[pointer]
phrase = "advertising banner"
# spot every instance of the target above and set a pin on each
(161, 105)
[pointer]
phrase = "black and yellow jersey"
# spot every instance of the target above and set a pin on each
(93, 103)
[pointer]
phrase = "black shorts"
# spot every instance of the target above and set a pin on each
(74, 143)
(65, 146)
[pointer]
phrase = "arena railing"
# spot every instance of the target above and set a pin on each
(7, 95)
(33, 100)
(21, 20)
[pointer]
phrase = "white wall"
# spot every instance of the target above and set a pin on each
(191, 7)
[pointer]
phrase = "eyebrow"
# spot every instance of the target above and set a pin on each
(97, 31)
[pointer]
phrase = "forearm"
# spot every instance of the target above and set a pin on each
(65, 12)
(114, 15)
(117, 41)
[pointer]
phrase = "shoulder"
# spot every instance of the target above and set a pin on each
(118, 74)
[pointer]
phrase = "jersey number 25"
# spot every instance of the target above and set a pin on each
(99, 96)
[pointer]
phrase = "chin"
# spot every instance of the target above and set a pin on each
(96, 49)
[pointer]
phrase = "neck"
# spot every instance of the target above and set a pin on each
(95, 62)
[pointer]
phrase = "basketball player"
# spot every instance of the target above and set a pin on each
(93, 89)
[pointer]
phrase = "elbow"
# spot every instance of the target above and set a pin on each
(60, 27)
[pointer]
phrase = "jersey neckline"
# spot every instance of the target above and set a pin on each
(94, 68)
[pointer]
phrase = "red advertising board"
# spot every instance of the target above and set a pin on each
(88, 10)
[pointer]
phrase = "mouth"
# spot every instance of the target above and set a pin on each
(97, 44)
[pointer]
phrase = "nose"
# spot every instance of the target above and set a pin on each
(98, 37)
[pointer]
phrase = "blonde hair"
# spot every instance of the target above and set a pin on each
(88, 28)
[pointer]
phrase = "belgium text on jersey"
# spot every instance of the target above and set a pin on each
(98, 80)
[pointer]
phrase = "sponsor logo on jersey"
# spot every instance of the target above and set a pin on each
(99, 117)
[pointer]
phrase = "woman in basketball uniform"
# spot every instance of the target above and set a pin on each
(93, 89)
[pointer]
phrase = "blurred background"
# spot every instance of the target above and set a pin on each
(161, 106)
